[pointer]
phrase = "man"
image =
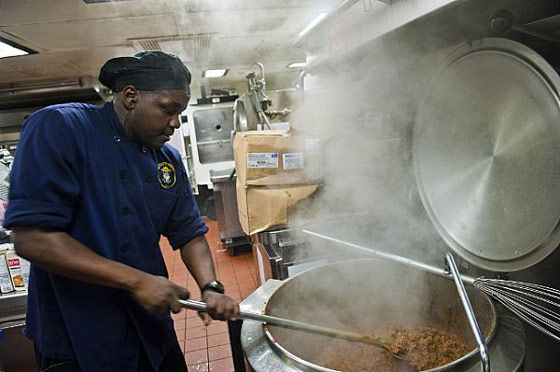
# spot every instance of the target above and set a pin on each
(92, 190)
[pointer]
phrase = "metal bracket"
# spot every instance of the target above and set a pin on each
(482, 346)
(503, 21)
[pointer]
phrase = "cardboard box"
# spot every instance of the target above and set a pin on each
(16, 266)
(271, 158)
(261, 208)
(6, 284)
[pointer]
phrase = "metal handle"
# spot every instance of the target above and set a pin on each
(214, 142)
(392, 257)
(293, 324)
(482, 347)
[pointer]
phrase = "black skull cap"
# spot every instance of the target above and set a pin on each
(149, 70)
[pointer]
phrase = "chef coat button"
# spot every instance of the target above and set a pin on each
(122, 174)
(144, 150)
(125, 211)
(116, 139)
(148, 179)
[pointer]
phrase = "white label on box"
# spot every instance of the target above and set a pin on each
(293, 161)
(14, 265)
(262, 160)
(5, 278)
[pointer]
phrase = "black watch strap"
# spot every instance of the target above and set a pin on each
(214, 286)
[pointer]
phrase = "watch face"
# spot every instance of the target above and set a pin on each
(215, 286)
(220, 286)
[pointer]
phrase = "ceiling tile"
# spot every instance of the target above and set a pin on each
(74, 38)
(37, 60)
(95, 57)
(99, 32)
(17, 12)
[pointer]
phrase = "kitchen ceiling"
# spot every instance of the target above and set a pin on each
(74, 37)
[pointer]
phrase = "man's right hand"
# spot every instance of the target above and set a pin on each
(159, 295)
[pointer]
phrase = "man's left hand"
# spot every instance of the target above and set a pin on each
(220, 307)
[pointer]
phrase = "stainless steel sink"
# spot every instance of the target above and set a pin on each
(213, 129)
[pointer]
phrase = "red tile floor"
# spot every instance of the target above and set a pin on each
(208, 348)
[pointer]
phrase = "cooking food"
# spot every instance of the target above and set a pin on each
(421, 319)
(424, 348)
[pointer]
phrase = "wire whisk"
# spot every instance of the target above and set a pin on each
(533, 303)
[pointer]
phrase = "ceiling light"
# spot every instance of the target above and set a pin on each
(10, 49)
(313, 23)
(297, 64)
(214, 73)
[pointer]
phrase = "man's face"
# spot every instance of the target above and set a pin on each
(156, 116)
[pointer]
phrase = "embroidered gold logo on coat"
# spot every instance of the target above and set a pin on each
(166, 175)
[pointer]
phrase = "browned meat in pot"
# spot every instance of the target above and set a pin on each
(423, 347)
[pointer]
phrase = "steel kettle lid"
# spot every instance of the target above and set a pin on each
(486, 148)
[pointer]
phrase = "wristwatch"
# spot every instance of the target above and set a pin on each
(215, 286)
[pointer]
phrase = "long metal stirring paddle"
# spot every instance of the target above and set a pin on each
(366, 338)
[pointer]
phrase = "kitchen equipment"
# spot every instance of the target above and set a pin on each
(225, 202)
(212, 128)
(486, 166)
(355, 294)
(16, 350)
(482, 347)
(485, 151)
(249, 109)
(206, 129)
(259, 108)
(284, 253)
(365, 338)
(481, 98)
(527, 300)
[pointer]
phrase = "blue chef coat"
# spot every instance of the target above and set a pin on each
(75, 171)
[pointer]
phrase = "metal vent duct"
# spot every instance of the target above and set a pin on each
(43, 93)
(150, 44)
(194, 47)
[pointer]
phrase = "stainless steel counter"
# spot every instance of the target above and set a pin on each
(12, 306)
(16, 350)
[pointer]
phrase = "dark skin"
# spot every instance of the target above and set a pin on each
(149, 119)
